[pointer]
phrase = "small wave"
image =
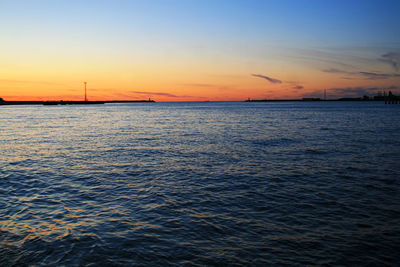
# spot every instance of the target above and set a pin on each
(275, 142)
(326, 129)
(316, 151)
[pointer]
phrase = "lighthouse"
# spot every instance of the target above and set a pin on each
(85, 92)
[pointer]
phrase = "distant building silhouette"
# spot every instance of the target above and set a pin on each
(391, 98)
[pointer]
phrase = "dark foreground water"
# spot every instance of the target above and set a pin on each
(200, 184)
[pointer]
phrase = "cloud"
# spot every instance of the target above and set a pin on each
(333, 70)
(352, 91)
(335, 93)
(393, 87)
(154, 93)
(298, 87)
(392, 58)
(271, 80)
(162, 94)
(378, 76)
(322, 55)
(366, 74)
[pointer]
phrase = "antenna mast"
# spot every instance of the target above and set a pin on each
(85, 92)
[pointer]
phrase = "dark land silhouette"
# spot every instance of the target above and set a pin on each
(62, 102)
(388, 98)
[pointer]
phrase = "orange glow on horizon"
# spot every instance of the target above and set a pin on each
(170, 82)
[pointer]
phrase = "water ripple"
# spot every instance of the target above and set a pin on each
(200, 184)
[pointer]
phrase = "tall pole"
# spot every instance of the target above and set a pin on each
(85, 92)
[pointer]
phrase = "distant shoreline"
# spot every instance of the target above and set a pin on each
(392, 100)
(5, 103)
(312, 100)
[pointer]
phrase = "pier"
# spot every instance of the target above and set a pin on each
(71, 102)
(61, 102)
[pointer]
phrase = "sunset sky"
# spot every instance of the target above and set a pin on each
(186, 50)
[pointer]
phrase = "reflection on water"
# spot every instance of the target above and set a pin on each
(200, 183)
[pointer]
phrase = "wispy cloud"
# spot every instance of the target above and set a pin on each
(378, 76)
(353, 91)
(392, 58)
(161, 94)
(351, 58)
(322, 55)
(334, 93)
(365, 74)
(271, 80)
(154, 93)
(333, 70)
(298, 87)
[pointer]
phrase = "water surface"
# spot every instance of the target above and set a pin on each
(291, 183)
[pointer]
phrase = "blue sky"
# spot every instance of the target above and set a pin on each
(303, 21)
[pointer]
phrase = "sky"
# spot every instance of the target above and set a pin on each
(203, 50)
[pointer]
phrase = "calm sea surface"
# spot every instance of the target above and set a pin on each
(289, 183)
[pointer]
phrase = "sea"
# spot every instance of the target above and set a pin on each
(200, 184)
